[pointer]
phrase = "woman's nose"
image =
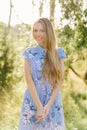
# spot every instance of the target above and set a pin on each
(38, 33)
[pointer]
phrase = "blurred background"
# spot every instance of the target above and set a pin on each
(69, 17)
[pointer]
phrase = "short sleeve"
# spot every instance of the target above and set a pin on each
(27, 54)
(61, 53)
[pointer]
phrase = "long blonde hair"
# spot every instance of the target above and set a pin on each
(52, 70)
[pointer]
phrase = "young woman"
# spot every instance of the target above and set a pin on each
(44, 69)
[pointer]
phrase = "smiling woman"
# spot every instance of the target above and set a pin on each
(44, 69)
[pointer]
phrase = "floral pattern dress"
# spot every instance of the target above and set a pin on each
(28, 119)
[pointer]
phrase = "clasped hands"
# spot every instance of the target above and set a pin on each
(42, 112)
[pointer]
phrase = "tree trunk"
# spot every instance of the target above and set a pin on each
(10, 14)
(52, 10)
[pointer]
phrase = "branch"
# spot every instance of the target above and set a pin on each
(78, 75)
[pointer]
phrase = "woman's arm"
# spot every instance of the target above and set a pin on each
(54, 94)
(56, 88)
(32, 88)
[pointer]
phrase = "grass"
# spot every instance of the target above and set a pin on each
(10, 106)
(75, 103)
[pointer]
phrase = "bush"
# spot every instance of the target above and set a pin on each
(7, 61)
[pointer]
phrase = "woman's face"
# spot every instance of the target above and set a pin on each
(39, 34)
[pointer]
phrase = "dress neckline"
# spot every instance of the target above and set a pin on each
(40, 48)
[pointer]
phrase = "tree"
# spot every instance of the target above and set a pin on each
(41, 3)
(6, 60)
(73, 34)
(7, 56)
(71, 10)
(41, 7)
(10, 14)
(52, 10)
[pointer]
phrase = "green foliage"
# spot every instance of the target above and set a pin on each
(81, 35)
(6, 64)
(71, 9)
(65, 38)
(73, 36)
(7, 60)
(65, 35)
(85, 13)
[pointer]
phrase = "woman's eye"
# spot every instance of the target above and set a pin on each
(35, 30)
(39, 30)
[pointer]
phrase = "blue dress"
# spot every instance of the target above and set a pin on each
(28, 119)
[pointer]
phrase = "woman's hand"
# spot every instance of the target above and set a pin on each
(46, 110)
(40, 113)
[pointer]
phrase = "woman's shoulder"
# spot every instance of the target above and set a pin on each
(31, 50)
(61, 52)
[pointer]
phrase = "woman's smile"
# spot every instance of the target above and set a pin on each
(39, 33)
